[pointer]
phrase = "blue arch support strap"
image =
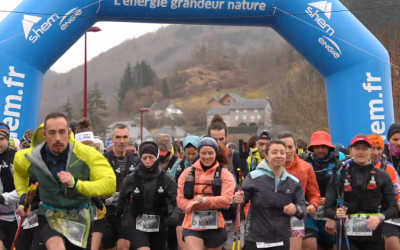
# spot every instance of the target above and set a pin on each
(358, 84)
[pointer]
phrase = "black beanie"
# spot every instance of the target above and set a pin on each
(148, 147)
(394, 129)
(73, 125)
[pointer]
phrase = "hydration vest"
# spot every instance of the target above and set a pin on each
(366, 199)
(160, 196)
(189, 186)
(179, 170)
(170, 164)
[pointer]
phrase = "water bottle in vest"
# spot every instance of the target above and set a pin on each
(217, 184)
(188, 190)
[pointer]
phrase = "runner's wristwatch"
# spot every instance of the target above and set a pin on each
(382, 216)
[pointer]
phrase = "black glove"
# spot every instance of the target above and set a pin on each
(171, 222)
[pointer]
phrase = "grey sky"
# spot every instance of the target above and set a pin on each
(111, 35)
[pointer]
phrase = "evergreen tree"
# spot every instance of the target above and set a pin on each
(144, 75)
(97, 111)
(69, 110)
(165, 88)
(127, 83)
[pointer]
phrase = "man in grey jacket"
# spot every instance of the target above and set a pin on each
(8, 196)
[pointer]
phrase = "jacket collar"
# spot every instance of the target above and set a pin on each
(264, 167)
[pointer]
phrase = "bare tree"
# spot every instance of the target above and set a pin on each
(300, 103)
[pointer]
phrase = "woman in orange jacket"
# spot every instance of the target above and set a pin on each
(305, 173)
(203, 190)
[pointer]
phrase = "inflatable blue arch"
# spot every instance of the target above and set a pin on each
(352, 61)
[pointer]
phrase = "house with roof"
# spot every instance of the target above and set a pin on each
(162, 110)
(227, 99)
(134, 129)
(241, 112)
(176, 133)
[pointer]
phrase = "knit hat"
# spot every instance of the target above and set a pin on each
(208, 141)
(73, 125)
(5, 131)
(164, 143)
(149, 147)
(321, 138)
(133, 142)
(27, 138)
(393, 129)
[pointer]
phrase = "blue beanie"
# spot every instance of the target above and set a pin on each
(208, 141)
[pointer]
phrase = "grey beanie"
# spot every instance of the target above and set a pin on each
(208, 141)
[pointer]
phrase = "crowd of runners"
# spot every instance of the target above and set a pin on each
(62, 188)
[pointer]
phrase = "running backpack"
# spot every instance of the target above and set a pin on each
(188, 189)
(160, 197)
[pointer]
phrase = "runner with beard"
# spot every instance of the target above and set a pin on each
(69, 174)
(123, 162)
(143, 201)
(257, 154)
(167, 160)
(305, 173)
(325, 165)
(8, 196)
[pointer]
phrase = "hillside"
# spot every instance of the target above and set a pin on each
(163, 49)
(170, 47)
(371, 17)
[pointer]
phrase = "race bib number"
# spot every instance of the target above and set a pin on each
(320, 214)
(356, 226)
(205, 219)
(74, 225)
(268, 245)
(30, 222)
(395, 222)
(113, 200)
(296, 224)
(148, 223)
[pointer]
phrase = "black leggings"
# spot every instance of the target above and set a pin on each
(138, 239)
(251, 245)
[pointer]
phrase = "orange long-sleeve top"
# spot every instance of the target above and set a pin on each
(203, 185)
(303, 171)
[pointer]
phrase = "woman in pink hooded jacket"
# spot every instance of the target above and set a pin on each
(203, 190)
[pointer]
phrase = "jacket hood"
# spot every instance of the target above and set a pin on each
(194, 140)
(38, 138)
